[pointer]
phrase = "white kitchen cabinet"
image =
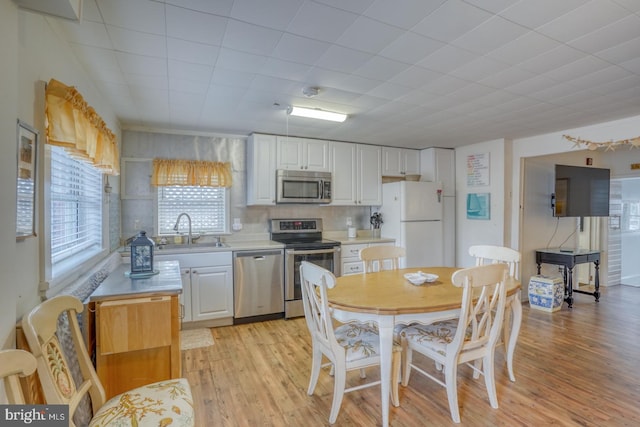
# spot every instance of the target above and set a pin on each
(351, 263)
(400, 162)
(357, 178)
(438, 165)
(303, 154)
(261, 169)
(369, 175)
(207, 285)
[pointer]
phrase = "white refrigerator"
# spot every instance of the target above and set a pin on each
(412, 215)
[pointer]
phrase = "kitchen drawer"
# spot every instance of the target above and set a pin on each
(352, 267)
(352, 251)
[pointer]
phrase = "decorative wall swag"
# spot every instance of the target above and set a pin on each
(71, 123)
(608, 146)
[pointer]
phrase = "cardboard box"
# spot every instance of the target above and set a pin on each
(546, 293)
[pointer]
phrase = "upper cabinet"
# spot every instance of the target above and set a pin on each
(400, 161)
(303, 154)
(357, 177)
(438, 165)
(261, 169)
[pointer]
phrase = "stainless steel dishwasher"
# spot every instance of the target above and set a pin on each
(258, 285)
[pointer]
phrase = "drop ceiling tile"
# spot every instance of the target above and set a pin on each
(621, 52)
(250, 38)
(490, 35)
(320, 22)
(600, 77)
(196, 53)
(198, 27)
(479, 69)
(190, 71)
(575, 69)
(128, 13)
(439, 25)
(552, 59)
(146, 81)
(379, 68)
(90, 11)
(90, 33)
(190, 86)
(533, 14)
(351, 82)
(138, 64)
(275, 14)
(583, 20)
(410, 48)
(368, 35)
(218, 7)
(520, 49)
(299, 49)
(622, 31)
(401, 13)
(389, 91)
(631, 5)
(137, 43)
(236, 60)
(493, 6)
(507, 77)
(338, 58)
(284, 69)
(415, 77)
(531, 86)
(275, 85)
(632, 65)
(447, 59)
(445, 85)
(101, 63)
(187, 101)
(235, 78)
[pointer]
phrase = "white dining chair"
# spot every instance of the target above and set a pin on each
(490, 254)
(464, 340)
(348, 347)
(376, 257)
(15, 364)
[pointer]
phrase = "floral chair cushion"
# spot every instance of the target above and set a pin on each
(159, 404)
(435, 336)
(359, 340)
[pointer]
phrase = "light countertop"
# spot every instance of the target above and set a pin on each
(118, 285)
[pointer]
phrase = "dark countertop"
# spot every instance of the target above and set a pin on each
(118, 285)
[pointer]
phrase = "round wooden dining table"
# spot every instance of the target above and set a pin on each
(388, 299)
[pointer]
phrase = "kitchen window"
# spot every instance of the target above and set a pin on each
(74, 214)
(208, 208)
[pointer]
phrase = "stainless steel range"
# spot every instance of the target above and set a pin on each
(303, 242)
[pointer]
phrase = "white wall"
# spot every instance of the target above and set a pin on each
(8, 115)
(32, 52)
(473, 231)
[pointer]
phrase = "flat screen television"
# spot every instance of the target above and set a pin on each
(581, 191)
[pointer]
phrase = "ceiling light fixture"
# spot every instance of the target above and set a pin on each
(316, 113)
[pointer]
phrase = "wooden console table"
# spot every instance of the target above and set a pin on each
(569, 258)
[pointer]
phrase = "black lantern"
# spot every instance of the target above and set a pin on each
(142, 254)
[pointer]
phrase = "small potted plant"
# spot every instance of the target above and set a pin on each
(376, 222)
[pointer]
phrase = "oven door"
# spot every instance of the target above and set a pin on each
(326, 258)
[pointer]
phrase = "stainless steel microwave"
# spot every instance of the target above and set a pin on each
(294, 186)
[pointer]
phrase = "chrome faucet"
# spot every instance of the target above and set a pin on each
(175, 227)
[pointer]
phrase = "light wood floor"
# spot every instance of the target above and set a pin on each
(574, 367)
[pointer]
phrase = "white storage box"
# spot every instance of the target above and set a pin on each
(546, 293)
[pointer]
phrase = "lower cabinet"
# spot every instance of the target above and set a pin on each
(137, 342)
(207, 285)
(351, 263)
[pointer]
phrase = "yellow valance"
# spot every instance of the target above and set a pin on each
(191, 172)
(71, 123)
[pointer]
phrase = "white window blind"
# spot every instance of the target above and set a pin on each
(25, 205)
(76, 207)
(207, 207)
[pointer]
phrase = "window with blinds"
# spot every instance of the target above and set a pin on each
(207, 207)
(76, 207)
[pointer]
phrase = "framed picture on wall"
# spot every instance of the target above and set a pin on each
(478, 206)
(26, 181)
